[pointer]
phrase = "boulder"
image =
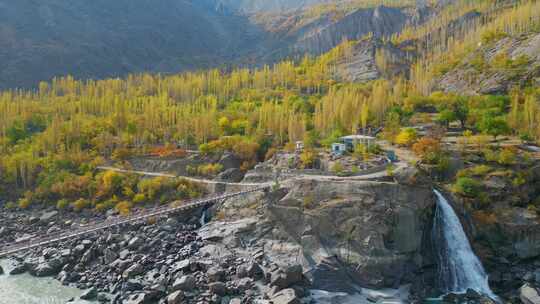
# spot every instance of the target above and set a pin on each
(286, 296)
(529, 295)
(287, 277)
(232, 175)
(139, 298)
(185, 283)
(89, 294)
(135, 243)
(45, 269)
(109, 256)
(244, 284)
(18, 269)
(215, 274)
(132, 285)
(176, 297)
(135, 270)
(254, 271)
(218, 288)
(229, 161)
(235, 301)
(181, 265)
(1, 270)
(48, 216)
(3, 231)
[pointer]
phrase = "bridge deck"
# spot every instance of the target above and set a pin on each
(10, 249)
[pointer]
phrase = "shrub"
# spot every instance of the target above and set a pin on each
(10, 205)
(361, 152)
(307, 159)
(493, 35)
(428, 149)
(80, 204)
(308, 202)
(139, 198)
(209, 169)
(337, 168)
(121, 154)
(124, 207)
(490, 155)
(24, 203)
(507, 156)
(406, 137)
(467, 187)
(62, 204)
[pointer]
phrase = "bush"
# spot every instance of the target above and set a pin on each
(406, 137)
(121, 154)
(493, 35)
(139, 198)
(10, 205)
(467, 187)
(476, 171)
(24, 203)
(62, 204)
(307, 159)
(80, 204)
(507, 156)
(124, 207)
(428, 149)
(209, 169)
(337, 168)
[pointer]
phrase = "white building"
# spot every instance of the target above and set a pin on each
(352, 140)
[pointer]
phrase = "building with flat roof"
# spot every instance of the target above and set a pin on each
(352, 140)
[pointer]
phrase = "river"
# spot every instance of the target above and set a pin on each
(25, 289)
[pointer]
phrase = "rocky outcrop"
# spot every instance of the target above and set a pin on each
(529, 295)
(323, 35)
(345, 233)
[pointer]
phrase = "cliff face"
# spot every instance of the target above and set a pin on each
(345, 233)
(325, 34)
(375, 230)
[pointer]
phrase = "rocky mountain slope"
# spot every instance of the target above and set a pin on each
(40, 40)
(98, 39)
(495, 67)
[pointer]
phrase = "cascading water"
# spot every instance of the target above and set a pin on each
(202, 220)
(459, 268)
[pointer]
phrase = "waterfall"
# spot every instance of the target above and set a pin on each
(202, 220)
(459, 268)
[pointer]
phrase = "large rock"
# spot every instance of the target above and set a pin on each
(232, 175)
(230, 161)
(135, 243)
(109, 256)
(135, 270)
(185, 283)
(176, 297)
(286, 296)
(529, 294)
(48, 216)
(90, 294)
(139, 298)
(19, 268)
(379, 229)
(218, 288)
(286, 278)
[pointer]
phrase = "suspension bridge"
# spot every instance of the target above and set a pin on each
(77, 232)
